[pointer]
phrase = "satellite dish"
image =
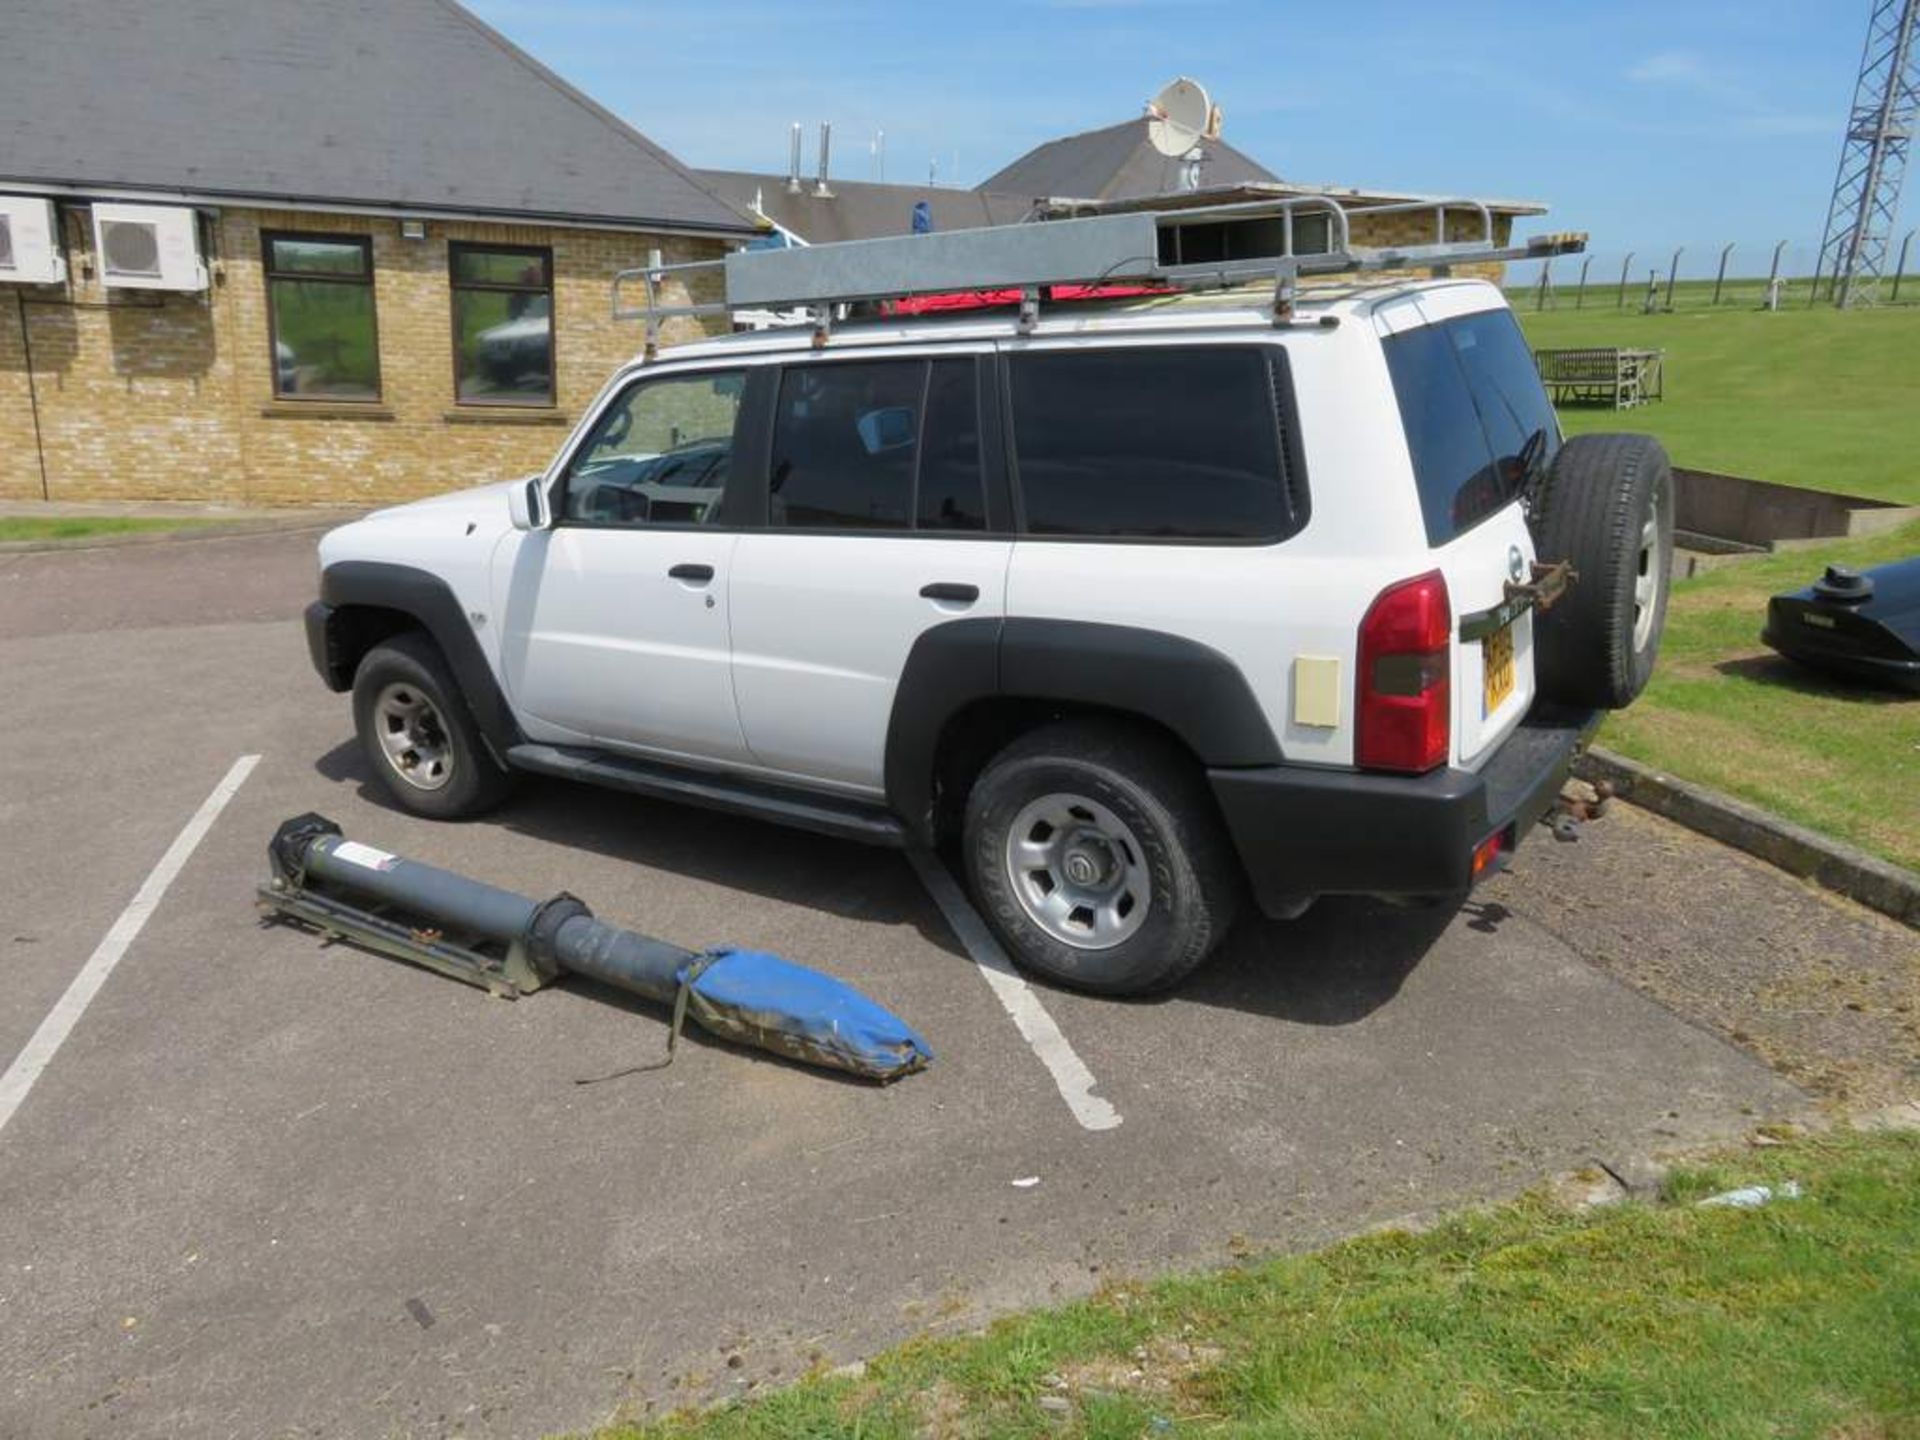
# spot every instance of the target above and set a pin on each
(1178, 117)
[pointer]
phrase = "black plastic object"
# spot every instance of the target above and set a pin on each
(1859, 626)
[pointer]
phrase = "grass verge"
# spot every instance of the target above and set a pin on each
(87, 527)
(1810, 397)
(1799, 1319)
(1724, 710)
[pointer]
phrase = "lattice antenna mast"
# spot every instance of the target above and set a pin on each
(1873, 158)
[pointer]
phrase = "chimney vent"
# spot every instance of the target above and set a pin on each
(821, 191)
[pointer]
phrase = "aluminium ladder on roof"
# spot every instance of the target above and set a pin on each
(1205, 247)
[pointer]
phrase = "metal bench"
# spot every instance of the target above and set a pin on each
(1613, 377)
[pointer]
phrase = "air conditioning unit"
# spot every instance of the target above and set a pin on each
(30, 241)
(148, 247)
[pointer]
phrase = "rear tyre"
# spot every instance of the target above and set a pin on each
(1097, 858)
(417, 734)
(1608, 507)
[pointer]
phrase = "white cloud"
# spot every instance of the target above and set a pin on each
(1671, 67)
(1743, 109)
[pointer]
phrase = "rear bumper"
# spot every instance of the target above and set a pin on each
(1303, 832)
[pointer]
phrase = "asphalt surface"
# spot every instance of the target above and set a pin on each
(273, 1188)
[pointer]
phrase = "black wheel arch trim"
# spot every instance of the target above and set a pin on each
(1187, 688)
(429, 601)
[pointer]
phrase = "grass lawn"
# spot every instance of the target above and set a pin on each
(1812, 397)
(85, 527)
(1725, 711)
(1799, 1319)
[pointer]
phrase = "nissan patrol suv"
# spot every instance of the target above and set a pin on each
(1149, 608)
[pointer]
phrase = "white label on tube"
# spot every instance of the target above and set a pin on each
(354, 853)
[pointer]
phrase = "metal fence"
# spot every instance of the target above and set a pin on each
(1699, 277)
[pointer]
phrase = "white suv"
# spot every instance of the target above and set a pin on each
(1149, 606)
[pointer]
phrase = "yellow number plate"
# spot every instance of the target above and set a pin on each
(1496, 668)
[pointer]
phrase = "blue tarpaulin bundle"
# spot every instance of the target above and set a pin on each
(760, 999)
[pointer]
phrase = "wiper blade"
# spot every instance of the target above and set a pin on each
(1525, 467)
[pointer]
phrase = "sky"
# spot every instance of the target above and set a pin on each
(1649, 125)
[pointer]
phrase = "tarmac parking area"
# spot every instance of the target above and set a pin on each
(268, 1187)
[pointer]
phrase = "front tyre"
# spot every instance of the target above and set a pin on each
(1097, 858)
(417, 735)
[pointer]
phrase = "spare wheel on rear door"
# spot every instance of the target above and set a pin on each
(1607, 506)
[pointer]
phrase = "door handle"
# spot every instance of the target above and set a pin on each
(698, 573)
(947, 590)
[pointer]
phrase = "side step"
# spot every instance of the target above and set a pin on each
(822, 814)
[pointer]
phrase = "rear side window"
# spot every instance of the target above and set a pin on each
(951, 495)
(1175, 444)
(1470, 399)
(878, 445)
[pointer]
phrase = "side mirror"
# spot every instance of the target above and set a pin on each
(527, 504)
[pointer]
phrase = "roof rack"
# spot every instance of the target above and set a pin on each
(1206, 247)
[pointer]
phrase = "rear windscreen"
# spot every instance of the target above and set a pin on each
(1469, 399)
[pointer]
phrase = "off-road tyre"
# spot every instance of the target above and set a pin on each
(410, 665)
(1156, 793)
(1604, 498)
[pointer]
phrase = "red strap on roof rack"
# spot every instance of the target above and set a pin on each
(1002, 299)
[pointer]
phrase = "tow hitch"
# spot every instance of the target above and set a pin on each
(1548, 584)
(511, 946)
(1577, 803)
(1541, 592)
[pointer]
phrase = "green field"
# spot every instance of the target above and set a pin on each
(1725, 711)
(1738, 293)
(1814, 397)
(1799, 1319)
(86, 527)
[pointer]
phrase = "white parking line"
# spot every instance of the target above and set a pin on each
(1030, 1017)
(53, 1031)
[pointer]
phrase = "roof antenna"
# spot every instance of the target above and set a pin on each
(821, 190)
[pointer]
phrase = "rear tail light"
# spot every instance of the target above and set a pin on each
(1486, 855)
(1406, 694)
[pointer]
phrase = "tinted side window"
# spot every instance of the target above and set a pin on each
(951, 492)
(1504, 382)
(1452, 463)
(1470, 399)
(1155, 443)
(845, 440)
(659, 455)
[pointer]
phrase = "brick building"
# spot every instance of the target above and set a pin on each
(394, 236)
(397, 235)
